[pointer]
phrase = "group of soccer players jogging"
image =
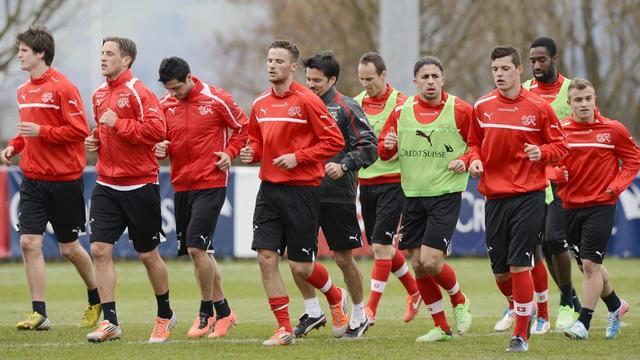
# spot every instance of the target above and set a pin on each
(550, 165)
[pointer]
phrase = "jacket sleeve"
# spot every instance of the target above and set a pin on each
(555, 145)
(362, 141)
(628, 152)
(17, 143)
(255, 136)
(75, 127)
(150, 127)
(474, 139)
(235, 119)
(464, 118)
(326, 130)
(392, 122)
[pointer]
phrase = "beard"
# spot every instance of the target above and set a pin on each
(547, 77)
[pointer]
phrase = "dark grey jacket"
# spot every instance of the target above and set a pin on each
(360, 150)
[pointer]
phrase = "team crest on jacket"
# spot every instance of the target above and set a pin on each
(528, 120)
(294, 111)
(47, 97)
(603, 138)
(205, 109)
(123, 102)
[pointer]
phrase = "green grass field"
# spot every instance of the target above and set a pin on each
(390, 338)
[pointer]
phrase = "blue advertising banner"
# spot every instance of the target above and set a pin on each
(223, 237)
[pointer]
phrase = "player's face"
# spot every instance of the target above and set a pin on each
(27, 58)
(280, 65)
(429, 80)
(583, 103)
(375, 85)
(179, 89)
(506, 75)
(542, 64)
(112, 63)
(318, 82)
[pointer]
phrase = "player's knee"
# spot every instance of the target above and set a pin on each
(589, 268)
(68, 251)
(100, 252)
(149, 257)
(301, 270)
(29, 244)
(196, 253)
(502, 277)
(383, 251)
(344, 261)
(268, 260)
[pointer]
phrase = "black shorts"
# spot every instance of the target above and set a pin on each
(138, 210)
(555, 239)
(514, 226)
(339, 223)
(286, 217)
(589, 230)
(381, 209)
(196, 213)
(59, 202)
(430, 221)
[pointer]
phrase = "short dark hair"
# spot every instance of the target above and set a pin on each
(506, 50)
(580, 84)
(39, 39)
(427, 60)
(324, 61)
(375, 59)
(546, 43)
(126, 46)
(287, 45)
(173, 68)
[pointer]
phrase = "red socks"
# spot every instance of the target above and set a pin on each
(401, 270)
(541, 287)
(280, 308)
(320, 279)
(379, 277)
(523, 301)
(448, 281)
(506, 290)
(431, 296)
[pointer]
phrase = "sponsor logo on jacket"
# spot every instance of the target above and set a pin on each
(123, 102)
(47, 97)
(528, 120)
(294, 111)
(205, 109)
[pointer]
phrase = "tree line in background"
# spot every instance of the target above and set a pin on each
(597, 39)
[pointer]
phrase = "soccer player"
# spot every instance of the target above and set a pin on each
(604, 160)
(52, 128)
(129, 124)
(381, 195)
(338, 218)
(513, 135)
(550, 85)
(428, 134)
(198, 118)
(293, 134)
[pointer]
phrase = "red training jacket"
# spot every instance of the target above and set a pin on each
(497, 137)
(297, 122)
(125, 152)
(197, 127)
(593, 164)
(54, 103)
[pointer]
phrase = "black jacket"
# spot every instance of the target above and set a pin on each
(360, 150)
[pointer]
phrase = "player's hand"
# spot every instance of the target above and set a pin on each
(161, 149)
(457, 166)
(286, 161)
(29, 129)
(475, 168)
(246, 154)
(225, 160)
(391, 139)
(108, 118)
(533, 151)
(7, 153)
(91, 141)
(334, 170)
